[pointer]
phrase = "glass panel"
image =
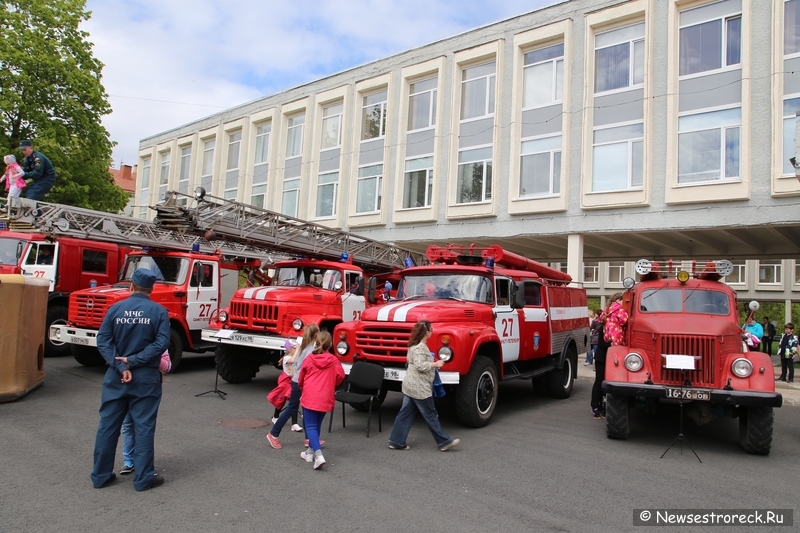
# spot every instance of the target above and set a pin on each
(638, 62)
(611, 67)
(538, 85)
(791, 106)
(289, 203)
(262, 143)
(621, 35)
(791, 27)
(732, 152)
(714, 119)
(470, 183)
(491, 94)
(418, 164)
(419, 111)
(373, 170)
(620, 133)
(701, 47)
(233, 150)
(371, 121)
(145, 173)
(699, 156)
(415, 188)
(478, 154)
(375, 98)
(164, 168)
(544, 54)
(326, 194)
(610, 167)
(788, 144)
(331, 127)
(424, 85)
(366, 195)
(535, 175)
(556, 172)
(733, 50)
(637, 163)
(541, 145)
(559, 95)
(488, 180)
(473, 99)
(478, 71)
(208, 158)
(294, 136)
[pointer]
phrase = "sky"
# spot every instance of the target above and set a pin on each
(168, 63)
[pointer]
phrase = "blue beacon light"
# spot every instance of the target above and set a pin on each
(344, 257)
(196, 247)
(408, 262)
(490, 262)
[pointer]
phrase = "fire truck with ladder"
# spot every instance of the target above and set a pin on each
(496, 316)
(683, 343)
(324, 283)
(194, 274)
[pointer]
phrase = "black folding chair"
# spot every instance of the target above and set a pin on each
(364, 384)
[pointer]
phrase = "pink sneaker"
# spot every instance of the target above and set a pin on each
(321, 442)
(274, 442)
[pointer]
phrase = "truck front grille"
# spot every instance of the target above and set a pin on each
(383, 341)
(251, 314)
(88, 310)
(703, 348)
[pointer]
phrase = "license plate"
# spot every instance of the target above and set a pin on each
(688, 394)
(242, 338)
(79, 340)
(392, 374)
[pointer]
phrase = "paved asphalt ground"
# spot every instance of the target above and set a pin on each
(541, 465)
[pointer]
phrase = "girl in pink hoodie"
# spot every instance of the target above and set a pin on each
(320, 374)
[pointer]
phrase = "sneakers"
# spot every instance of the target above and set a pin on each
(274, 442)
(157, 482)
(587, 363)
(596, 414)
(125, 470)
(451, 444)
(307, 455)
(396, 447)
(321, 443)
(274, 419)
(319, 460)
(110, 481)
(296, 428)
(782, 378)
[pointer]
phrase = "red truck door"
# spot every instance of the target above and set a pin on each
(535, 325)
(202, 297)
(507, 320)
(41, 261)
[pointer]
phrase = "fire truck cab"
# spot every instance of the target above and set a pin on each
(496, 316)
(683, 343)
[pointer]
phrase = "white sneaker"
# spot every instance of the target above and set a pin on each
(307, 455)
(587, 363)
(296, 427)
(274, 419)
(319, 460)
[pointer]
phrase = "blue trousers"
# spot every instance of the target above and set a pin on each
(128, 440)
(312, 421)
(290, 409)
(405, 418)
(39, 188)
(141, 400)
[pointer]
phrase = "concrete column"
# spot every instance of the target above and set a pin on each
(787, 314)
(575, 257)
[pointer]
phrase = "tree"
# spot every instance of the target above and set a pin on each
(51, 92)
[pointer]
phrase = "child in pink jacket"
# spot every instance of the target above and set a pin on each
(13, 177)
(320, 374)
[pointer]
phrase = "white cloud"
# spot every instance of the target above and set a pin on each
(169, 63)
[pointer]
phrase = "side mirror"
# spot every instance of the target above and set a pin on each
(518, 295)
(370, 290)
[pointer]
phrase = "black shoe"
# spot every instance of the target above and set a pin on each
(157, 482)
(110, 481)
(125, 470)
(781, 379)
(790, 381)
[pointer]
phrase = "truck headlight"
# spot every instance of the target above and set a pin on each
(56, 332)
(742, 367)
(634, 362)
(445, 353)
(297, 324)
(342, 348)
(223, 316)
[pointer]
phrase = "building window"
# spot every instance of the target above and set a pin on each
(144, 199)
(710, 45)
(477, 91)
(619, 58)
(163, 180)
(590, 272)
(618, 158)
(257, 195)
(183, 177)
(207, 176)
(144, 192)
(368, 189)
(291, 195)
(294, 136)
(422, 104)
(769, 272)
(708, 146)
(418, 182)
(790, 108)
(332, 126)
(474, 176)
(791, 27)
(262, 143)
(373, 116)
(540, 167)
(738, 275)
(797, 272)
(232, 167)
(616, 271)
(543, 76)
(327, 189)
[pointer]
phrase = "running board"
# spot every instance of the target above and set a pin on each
(512, 372)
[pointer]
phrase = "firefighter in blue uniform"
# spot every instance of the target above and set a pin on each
(38, 168)
(132, 337)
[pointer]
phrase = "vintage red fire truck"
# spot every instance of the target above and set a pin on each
(683, 343)
(496, 316)
(68, 263)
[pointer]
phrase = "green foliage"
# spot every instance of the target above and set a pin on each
(51, 92)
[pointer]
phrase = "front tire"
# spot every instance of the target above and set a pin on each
(56, 315)
(617, 417)
(476, 396)
(175, 349)
(235, 367)
(86, 355)
(755, 429)
(561, 380)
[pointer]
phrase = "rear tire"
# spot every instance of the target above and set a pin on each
(617, 417)
(235, 367)
(56, 315)
(476, 396)
(175, 349)
(755, 429)
(560, 381)
(86, 355)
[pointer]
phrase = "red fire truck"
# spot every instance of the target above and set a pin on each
(496, 316)
(683, 343)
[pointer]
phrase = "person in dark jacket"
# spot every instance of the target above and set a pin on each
(38, 168)
(769, 334)
(131, 339)
(595, 327)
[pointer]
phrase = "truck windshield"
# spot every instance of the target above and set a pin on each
(684, 301)
(167, 269)
(467, 287)
(11, 250)
(324, 278)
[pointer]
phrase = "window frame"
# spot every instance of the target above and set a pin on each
(491, 91)
(383, 120)
(339, 116)
(723, 154)
(723, 45)
(484, 198)
(594, 267)
(742, 268)
(258, 191)
(208, 163)
(431, 109)
(783, 46)
(262, 143)
(428, 182)
(334, 196)
(631, 59)
(554, 179)
(777, 272)
(629, 142)
(793, 118)
(554, 98)
(620, 268)
(361, 179)
(291, 132)
(296, 190)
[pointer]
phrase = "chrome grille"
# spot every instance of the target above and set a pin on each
(252, 314)
(703, 348)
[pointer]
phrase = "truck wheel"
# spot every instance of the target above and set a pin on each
(55, 315)
(476, 396)
(235, 367)
(175, 349)
(755, 429)
(617, 424)
(364, 406)
(560, 380)
(86, 355)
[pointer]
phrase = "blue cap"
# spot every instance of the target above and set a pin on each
(387, 286)
(144, 278)
(24, 143)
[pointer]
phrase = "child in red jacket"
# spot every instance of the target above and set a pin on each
(320, 374)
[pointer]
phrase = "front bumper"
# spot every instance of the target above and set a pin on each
(398, 374)
(253, 340)
(72, 335)
(718, 396)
